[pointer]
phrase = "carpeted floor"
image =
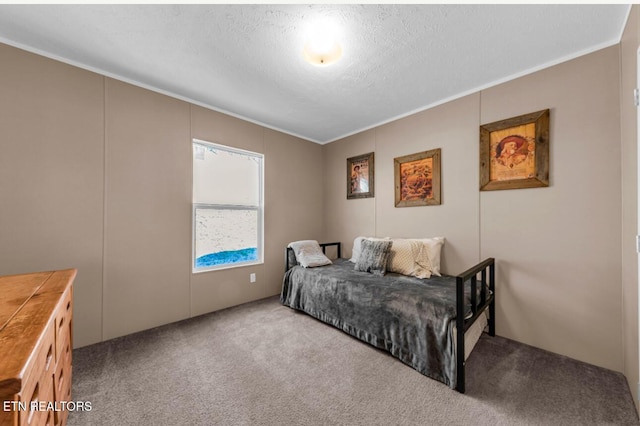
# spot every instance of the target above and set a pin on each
(265, 364)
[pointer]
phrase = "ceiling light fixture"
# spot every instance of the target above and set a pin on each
(322, 47)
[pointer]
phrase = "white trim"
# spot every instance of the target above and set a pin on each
(228, 148)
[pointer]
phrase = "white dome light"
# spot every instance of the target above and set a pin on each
(322, 47)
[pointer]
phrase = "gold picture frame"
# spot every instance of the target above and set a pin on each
(417, 179)
(514, 153)
(360, 176)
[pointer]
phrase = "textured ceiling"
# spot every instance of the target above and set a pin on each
(246, 60)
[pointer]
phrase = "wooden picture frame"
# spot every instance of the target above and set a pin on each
(360, 176)
(417, 179)
(514, 153)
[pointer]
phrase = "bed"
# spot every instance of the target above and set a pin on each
(429, 324)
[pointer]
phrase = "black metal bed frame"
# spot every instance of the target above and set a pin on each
(487, 301)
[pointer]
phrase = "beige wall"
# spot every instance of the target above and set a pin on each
(346, 219)
(450, 127)
(96, 174)
(147, 210)
(52, 176)
(629, 137)
(456, 219)
(558, 249)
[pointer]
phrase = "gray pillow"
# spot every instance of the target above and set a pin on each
(374, 256)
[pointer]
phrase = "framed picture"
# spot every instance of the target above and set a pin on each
(514, 153)
(417, 179)
(360, 176)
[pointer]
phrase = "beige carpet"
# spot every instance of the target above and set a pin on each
(265, 364)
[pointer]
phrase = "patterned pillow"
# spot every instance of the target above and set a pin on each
(409, 257)
(434, 248)
(423, 266)
(374, 256)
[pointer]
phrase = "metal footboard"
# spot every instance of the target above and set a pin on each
(487, 301)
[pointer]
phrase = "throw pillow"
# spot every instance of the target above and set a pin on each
(409, 257)
(357, 247)
(309, 254)
(374, 256)
(434, 248)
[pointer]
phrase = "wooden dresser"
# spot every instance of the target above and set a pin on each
(35, 347)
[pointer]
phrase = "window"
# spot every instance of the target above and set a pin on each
(227, 207)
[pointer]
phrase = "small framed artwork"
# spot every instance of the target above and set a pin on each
(417, 179)
(514, 153)
(360, 176)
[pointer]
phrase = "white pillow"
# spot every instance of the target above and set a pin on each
(434, 247)
(357, 247)
(309, 254)
(409, 257)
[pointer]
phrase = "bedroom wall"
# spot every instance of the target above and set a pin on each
(147, 192)
(96, 174)
(456, 218)
(52, 176)
(629, 136)
(558, 249)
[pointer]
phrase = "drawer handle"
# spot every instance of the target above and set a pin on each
(61, 380)
(61, 323)
(69, 305)
(49, 356)
(34, 397)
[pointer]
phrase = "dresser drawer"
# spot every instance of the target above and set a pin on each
(50, 419)
(63, 322)
(40, 367)
(40, 394)
(38, 415)
(62, 382)
(38, 384)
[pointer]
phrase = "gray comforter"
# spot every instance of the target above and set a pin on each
(413, 319)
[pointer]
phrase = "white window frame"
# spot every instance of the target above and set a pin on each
(259, 208)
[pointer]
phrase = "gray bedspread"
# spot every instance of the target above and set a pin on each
(411, 318)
